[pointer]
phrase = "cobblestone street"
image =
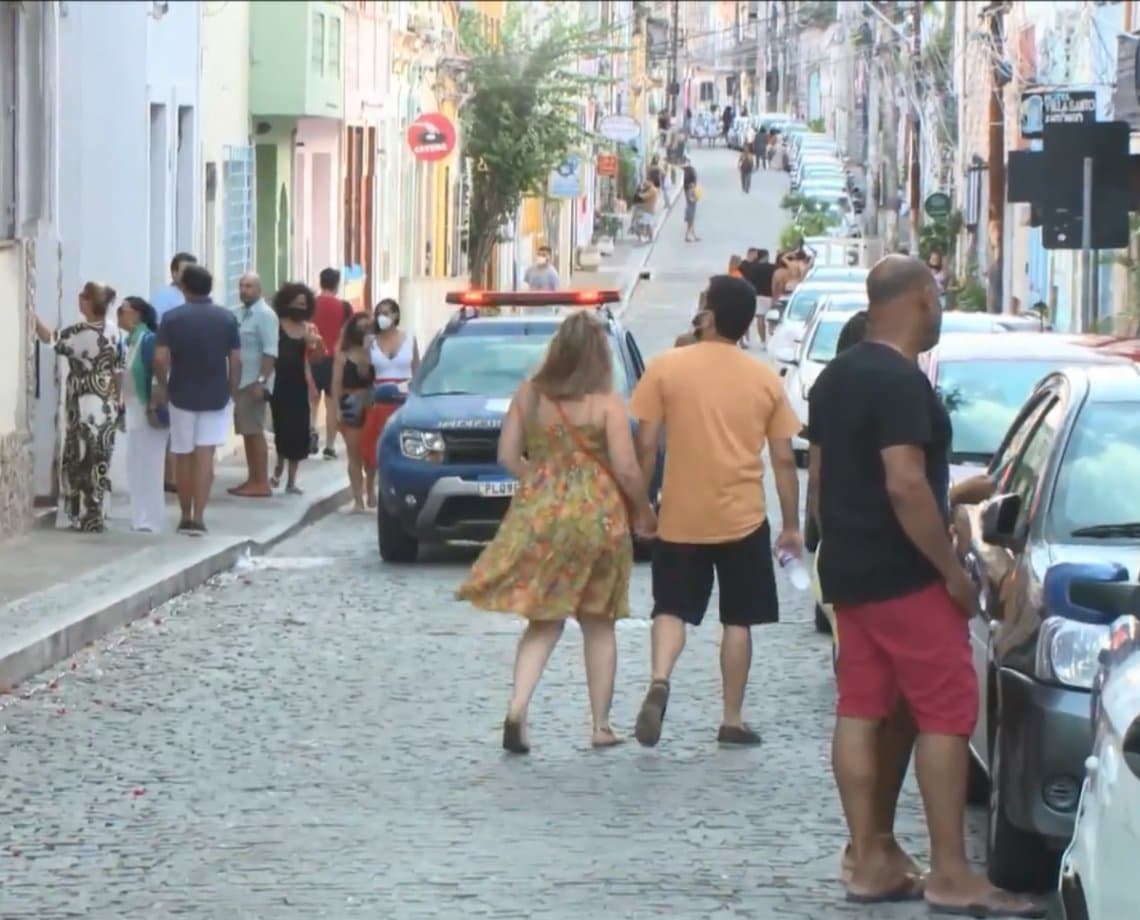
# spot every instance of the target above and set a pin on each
(316, 734)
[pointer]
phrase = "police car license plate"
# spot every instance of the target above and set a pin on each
(499, 489)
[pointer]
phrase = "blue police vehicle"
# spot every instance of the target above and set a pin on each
(438, 476)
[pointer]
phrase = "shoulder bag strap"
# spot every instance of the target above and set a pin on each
(585, 448)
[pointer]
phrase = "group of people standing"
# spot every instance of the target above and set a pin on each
(177, 375)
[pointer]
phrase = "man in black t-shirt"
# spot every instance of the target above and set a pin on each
(880, 439)
(759, 272)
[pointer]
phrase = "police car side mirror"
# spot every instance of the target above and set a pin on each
(999, 522)
(388, 394)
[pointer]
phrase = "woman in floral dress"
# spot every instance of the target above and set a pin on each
(94, 364)
(564, 548)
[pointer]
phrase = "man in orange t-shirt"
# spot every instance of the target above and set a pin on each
(719, 407)
(329, 317)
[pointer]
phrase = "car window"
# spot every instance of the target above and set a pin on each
(1003, 462)
(1029, 469)
(983, 398)
(803, 301)
(1096, 481)
(823, 341)
(493, 365)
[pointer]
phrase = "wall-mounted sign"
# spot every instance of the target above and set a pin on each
(937, 205)
(1041, 107)
(431, 137)
(607, 164)
(620, 128)
(566, 180)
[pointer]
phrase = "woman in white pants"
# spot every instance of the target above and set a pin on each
(147, 429)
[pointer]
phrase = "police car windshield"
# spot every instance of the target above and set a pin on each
(492, 365)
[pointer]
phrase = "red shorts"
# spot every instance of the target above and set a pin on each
(918, 646)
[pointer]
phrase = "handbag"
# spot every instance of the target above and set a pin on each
(585, 448)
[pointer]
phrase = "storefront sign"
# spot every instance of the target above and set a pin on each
(1041, 107)
(620, 128)
(566, 180)
(937, 205)
(607, 164)
(431, 137)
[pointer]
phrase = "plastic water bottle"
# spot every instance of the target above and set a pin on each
(796, 571)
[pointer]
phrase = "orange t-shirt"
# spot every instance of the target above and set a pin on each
(719, 407)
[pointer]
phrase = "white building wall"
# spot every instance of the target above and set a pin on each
(129, 190)
(227, 209)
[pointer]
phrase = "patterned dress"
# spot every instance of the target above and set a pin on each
(564, 547)
(94, 361)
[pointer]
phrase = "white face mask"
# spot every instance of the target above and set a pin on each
(383, 321)
(541, 260)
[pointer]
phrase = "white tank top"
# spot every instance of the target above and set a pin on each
(398, 367)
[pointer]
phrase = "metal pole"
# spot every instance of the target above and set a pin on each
(675, 79)
(916, 136)
(1088, 306)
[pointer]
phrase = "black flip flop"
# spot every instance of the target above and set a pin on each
(512, 738)
(984, 911)
(911, 889)
(739, 735)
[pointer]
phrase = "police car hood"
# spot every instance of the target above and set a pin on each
(452, 412)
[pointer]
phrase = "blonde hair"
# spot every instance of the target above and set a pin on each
(578, 360)
(100, 296)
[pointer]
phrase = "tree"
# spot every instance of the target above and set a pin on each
(521, 117)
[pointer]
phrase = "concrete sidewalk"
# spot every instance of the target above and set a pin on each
(61, 590)
(624, 268)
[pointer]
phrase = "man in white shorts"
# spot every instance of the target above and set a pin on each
(197, 364)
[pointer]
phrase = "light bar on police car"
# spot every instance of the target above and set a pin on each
(533, 298)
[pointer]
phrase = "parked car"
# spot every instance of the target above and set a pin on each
(817, 348)
(1066, 473)
(1096, 871)
(437, 459)
(789, 324)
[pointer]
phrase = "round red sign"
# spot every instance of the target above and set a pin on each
(431, 137)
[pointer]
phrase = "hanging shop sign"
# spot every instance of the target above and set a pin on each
(620, 128)
(1056, 106)
(937, 205)
(607, 164)
(566, 180)
(431, 137)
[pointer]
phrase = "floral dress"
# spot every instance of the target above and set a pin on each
(94, 361)
(564, 547)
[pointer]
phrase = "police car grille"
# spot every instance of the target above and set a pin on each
(471, 446)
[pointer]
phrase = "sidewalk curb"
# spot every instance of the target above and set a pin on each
(59, 637)
(630, 287)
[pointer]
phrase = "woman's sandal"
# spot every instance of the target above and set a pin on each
(513, 739)
(606, 738)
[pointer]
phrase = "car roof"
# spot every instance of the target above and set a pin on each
(827, 286)
(837, 273)
(1118, 381)
(514, 324)
(1016, 346)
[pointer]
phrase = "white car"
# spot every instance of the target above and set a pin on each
(817, 348)
(1097, 881)
(790, 326)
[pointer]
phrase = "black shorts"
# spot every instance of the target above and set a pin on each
(322, 374)
(745, 573)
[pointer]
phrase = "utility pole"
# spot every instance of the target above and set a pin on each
(674, 76)
(874, 169)
(916, 132)
(996, 165)
(889, 126)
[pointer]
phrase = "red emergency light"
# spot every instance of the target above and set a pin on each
(533, 298)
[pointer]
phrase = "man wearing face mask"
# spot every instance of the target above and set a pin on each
(258, 328)
(542, 276)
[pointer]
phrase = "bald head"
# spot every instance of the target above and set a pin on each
(249, 288)
(896, 276)
(904, 307)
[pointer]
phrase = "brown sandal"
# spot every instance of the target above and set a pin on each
(512, 737)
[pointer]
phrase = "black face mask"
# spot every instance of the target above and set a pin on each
(297, 314)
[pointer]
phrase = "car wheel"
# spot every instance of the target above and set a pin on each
(801, 459)
(395, 543)
(811, 534)
(822, 623)
(977, 783)
(1073, 903)
(1016, 860)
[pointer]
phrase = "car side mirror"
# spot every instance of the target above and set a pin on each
(772, 316)
(389, 394)
(1000, 522)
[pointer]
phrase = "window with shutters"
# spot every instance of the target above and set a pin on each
(238, 217)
